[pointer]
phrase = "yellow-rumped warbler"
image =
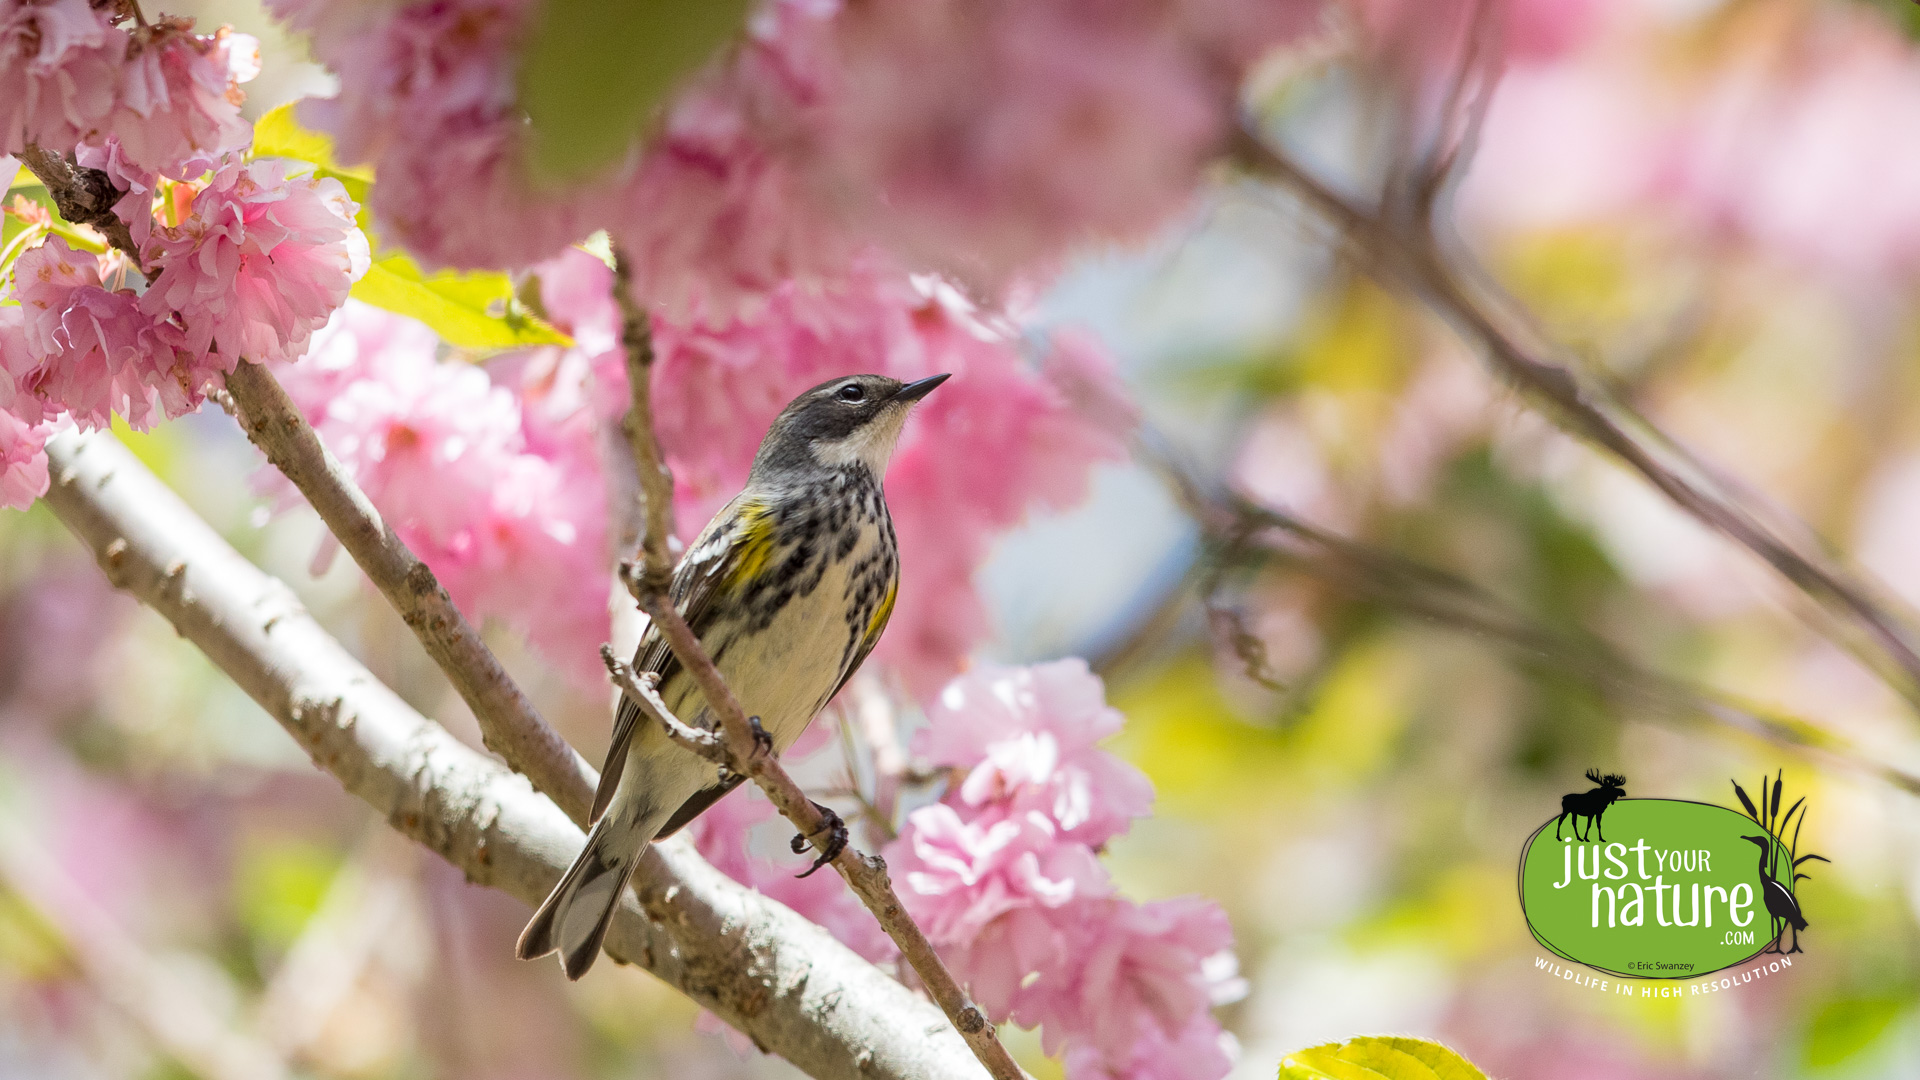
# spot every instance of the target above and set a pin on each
(788, 588)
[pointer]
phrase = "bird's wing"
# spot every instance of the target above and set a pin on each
(736, 544)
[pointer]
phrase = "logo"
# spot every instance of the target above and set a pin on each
(1665, 888)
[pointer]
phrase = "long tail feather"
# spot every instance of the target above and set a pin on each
(574, 917)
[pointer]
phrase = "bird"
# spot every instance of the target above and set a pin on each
(1780, 903)
(788, 589)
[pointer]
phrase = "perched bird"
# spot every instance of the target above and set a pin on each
(788, 589)
(1781, 905)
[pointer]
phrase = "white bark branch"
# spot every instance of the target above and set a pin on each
(780, 979)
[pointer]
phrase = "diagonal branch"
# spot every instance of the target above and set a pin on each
(1413, 260)
(740, 750)
(770, 973)
(509, 723)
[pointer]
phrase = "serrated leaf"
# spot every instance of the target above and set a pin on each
(279, 134)
(461, 308)
(597, 71)
(1370, 1058)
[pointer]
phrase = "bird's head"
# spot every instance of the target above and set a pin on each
(1764, 842)
(842, 423)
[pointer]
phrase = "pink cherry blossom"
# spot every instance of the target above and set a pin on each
(998, 135)
(59, 67)
(93, 351)
(17, 366)
(722, 210)
(1131, 967)
(261, 261)
(179, 96)
(427, 95)
(1028, 739)
(1198, 1051)
(484, 474)
(23, 461)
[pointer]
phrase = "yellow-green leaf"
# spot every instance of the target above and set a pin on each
(278, 134)
(596, 71)
(1370, 1058)
(468, 311)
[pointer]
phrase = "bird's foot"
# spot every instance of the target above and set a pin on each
(836, 840)
(762, 741)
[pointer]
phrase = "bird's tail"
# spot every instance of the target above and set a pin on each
(574, 917)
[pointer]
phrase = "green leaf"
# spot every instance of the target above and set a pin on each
(468, 311)
(597, 71)
(1370, 1058)
(278, 134)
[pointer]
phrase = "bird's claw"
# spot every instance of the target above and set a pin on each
(836, 840)
(762, 741)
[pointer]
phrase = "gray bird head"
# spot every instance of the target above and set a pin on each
(842, 423)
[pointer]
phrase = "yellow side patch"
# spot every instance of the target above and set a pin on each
(753, 548)
(880, 614)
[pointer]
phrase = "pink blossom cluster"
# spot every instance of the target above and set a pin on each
(981, 139)
(1002, 438)
(1002, 873)
(74, 72)
(246, 264)
(488, 474)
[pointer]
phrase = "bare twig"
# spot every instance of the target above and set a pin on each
(509, 723)
(778, 978)
(1413, 260)
(83, 196)
(1451, 601)
(656, 482)
(740, 751)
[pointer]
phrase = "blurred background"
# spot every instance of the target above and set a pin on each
(1714, 206)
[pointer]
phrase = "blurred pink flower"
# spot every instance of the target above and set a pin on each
(59, 65)
(179, 96)
(427, 95)
(1130, 968)
(23, 461)
(17, 366)
(93, 351)
(1028, 738)
(260, 262)
(721, 211)
(482, 474)
(995, 136)
(1197, 1051)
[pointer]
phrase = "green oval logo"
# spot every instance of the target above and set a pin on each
(1662, 888)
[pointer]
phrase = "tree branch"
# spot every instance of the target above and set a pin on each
(738, 749)
(767, 971)
(83, 196)
(1413, 260)
(509, 723)
(1255, 534)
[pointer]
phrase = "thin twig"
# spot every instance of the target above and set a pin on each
(739, 751)
(656, 481)
(770, 973)
(1413, 260)
(1451, 601)
(509, 724)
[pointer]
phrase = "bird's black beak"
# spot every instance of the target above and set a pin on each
(920, 388)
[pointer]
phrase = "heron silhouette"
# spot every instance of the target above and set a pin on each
(1781, 906)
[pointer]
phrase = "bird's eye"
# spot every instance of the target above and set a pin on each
(852, 393)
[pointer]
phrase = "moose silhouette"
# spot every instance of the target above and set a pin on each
(1591, 804)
